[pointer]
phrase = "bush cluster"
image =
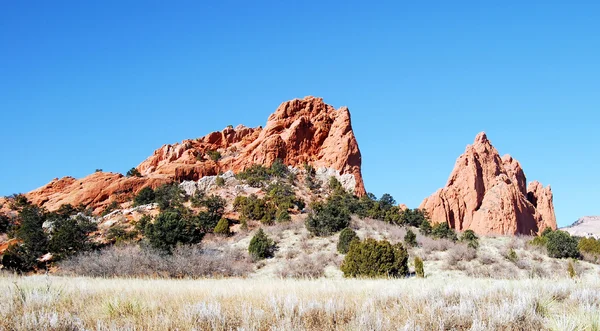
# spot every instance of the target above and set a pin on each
(140, 261)
(410, 239)
(5, 223)
(167, 196)
(346, 237)
(443, 231)
(261, 246)
(590, 248)
(275, 206)
(328, 217)
(256, 175)
(118, 234)
(470, 238)
(559, 244)
(62, 233)
(178, 225)
(222, 228)
(214, 155)
(372, 258)
(133, 172)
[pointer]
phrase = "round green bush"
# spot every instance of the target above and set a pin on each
(372, 258)
(419, 270)
(222, 227)
(261, 246)
(144, 196)
(346, 237)
(410, 239)
(561, 245)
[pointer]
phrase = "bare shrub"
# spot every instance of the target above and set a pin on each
(590, 257)
(303, 267)
(134, 261)
(292, 253)
(486, 258)
(435, 245)
(518, 242)
(458, 256)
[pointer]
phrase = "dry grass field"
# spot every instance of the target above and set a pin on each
(435, 303)
(505, 284)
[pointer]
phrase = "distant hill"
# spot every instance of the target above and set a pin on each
(587, 226)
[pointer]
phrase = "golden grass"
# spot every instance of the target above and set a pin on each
(63, 303)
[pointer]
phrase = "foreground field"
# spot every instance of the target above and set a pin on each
(41, 302)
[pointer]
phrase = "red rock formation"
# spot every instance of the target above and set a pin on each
(300, 130)
(488, 194)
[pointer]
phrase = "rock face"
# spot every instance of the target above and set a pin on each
(300, 131)
(488, 194)
(587, 226)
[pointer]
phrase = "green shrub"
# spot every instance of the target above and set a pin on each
(413, 217)
(144, 197)
(539, 241)
(279, 198)
(328, 217)
(571, 270)
(169, 196)
(346, 237)
(269, 214)
(410, 239)
(443, 230)
(69, 235)
(171, 228)
(33, 241)
(372, 258)
(214, 155)
(133, 172)
(425, 227)
(261, 246)
(386, 201)
(470, 238)
(250, 207)
(4, 223)
(18, 201)
(214, 208)
(278, 169)
(254, 176)
(16, 258)
(309, 180)
(222, 227)
(419, 270)
(589, 245)
(283, 216)
(511, 255)
(561, 245)
(220, 181)
(141, 224)
(119, 234)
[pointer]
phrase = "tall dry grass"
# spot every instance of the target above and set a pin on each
(55, 303)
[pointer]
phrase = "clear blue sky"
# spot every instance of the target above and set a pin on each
(101, 84)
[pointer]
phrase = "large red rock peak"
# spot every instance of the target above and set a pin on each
(299, 131)
(488, 194)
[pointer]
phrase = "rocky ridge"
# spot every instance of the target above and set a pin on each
(300, 131)
(489, 195)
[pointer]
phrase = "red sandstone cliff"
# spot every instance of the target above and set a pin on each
(300, 130)
(488, 194)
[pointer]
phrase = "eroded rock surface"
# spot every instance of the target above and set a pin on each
(488, 194)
